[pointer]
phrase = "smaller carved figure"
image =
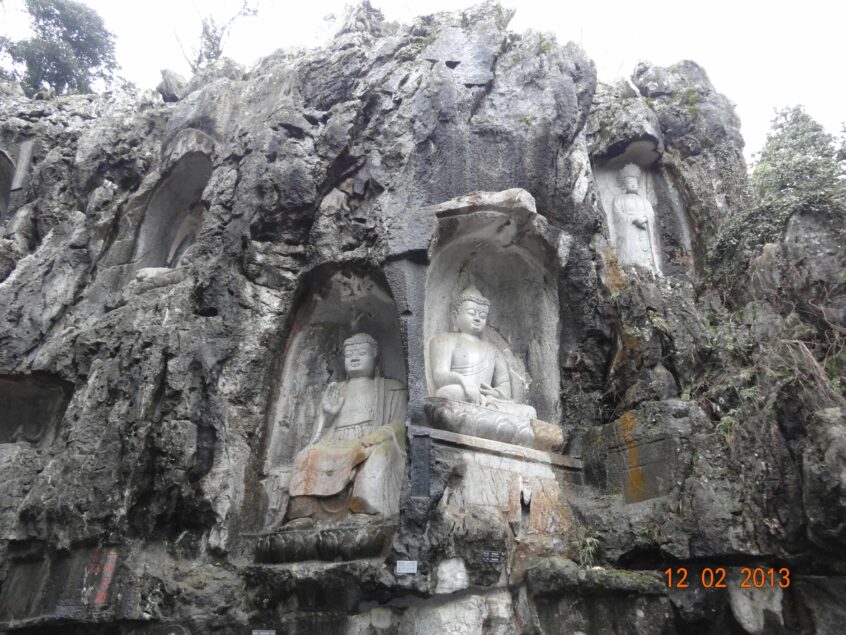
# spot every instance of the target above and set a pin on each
(634, 224)
(467, 368)
(355, 460)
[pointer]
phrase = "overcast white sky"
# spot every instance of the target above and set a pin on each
(762, 56)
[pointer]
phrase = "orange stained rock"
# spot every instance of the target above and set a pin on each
(615, 280)
(634, 487)
(549, 512)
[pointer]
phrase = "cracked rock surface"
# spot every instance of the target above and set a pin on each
(162, 374)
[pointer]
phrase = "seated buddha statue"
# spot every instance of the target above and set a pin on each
(471, 384)
(467, 368)
(355, 461)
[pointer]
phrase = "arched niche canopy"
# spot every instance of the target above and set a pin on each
(174, 214)
(498, 242)
(334, 305)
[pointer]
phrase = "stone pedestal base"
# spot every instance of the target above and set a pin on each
(508, 505)
(489, 423)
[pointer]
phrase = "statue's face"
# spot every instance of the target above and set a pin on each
(359, 360)
(471, 318)
(630, 183)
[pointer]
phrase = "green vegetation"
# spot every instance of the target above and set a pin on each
(500, 15)
(587, 549)
(690, 100)
(544, 44)
(799, 163)
(799, 169)
(70, 51)
(727, 424)
(658, 322)
(213, 35)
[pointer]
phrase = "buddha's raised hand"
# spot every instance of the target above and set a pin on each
(333, 399)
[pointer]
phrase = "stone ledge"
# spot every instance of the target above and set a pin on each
(557, 576)
(344, 542)
(497, 447)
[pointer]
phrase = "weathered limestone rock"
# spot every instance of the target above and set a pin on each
(185, 274)
(757, 610)
(220, 69)
(11, 89)
(623, 125)
(452, 576)
(645, 453)
(172, 87)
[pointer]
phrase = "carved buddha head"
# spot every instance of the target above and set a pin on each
(470, 311)
(360, 355)
(630, 178)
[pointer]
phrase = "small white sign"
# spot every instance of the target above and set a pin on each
(264, 632)
(406, 566)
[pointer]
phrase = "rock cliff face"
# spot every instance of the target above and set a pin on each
(154, 260)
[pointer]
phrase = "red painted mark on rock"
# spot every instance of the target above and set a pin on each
(94, 563)
(106, 581)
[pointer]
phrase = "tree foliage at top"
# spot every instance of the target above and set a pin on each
(71, 48)
(212, 37)
(800, 169)
(799, 162)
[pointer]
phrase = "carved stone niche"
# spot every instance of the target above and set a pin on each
(511, 256)
(335, 454)
(31, 407)
(174, 214)
(491, 334)
(7, 173)
(647, 223)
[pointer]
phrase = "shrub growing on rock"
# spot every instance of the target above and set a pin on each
(799, 170)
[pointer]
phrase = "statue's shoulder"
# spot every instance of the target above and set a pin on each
(445, 337)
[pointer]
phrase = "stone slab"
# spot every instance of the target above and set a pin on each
(74, 586)
(505, 506)
(420, 454)
(22, 169)
(568, 464)
(7, 171)
(525, 489)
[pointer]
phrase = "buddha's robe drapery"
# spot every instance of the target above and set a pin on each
(358, 464)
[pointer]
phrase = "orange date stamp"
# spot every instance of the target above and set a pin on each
(716, 578)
